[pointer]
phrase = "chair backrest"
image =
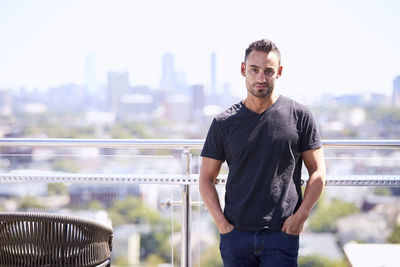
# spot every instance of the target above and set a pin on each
(41, 239)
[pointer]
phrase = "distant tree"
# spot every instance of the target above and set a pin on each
(211, 257)
(82, 132)
(395, 236)
(57, 129)
(350, 132)
(95, 205)
(154, 260)
(317, 260)
(383, 114)
(65, 165)
(381, 191)
(132, 130)
(121, 261)
(118, 131)
(133, 211)
(325, 216)
(57, 189)
(30, 203)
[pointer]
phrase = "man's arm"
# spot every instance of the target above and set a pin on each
(314, 161)
(208, 174)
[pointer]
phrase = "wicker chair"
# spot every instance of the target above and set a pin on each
(48, 240)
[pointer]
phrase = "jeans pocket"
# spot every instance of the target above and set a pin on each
(228, 233)
(291, 235)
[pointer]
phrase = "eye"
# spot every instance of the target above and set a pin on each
(269, 72)
(254, 70)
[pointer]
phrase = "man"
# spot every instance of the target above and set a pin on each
(264, 139)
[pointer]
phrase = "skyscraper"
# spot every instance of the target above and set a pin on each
(6, 102)
(171, 79)
(90, 75)
(117, 86)
(213, 74)
(198, 100)
(396, 92)
(168, 76)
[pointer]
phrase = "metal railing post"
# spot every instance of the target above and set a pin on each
(186, 211)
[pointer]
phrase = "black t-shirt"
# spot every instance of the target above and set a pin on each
(263, 153)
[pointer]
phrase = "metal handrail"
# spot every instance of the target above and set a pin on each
(172, 143)
(103, 143)
(368, 144)
(180, 179)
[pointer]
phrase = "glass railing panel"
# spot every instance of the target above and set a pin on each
(145, 232)
(205, 235)
(362, 161)
(355, 211)
(91, 160)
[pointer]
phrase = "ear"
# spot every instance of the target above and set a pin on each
(243, 69)
(279, 72)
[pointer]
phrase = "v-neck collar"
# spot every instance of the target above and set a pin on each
(265, 111)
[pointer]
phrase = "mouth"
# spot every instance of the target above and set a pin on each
(260, 85)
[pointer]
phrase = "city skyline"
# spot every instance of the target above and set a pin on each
(327, 47)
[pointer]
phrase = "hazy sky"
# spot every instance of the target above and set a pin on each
(327, 46)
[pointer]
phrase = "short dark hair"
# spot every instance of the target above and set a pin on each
(263, 45)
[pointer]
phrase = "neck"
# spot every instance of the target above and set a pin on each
(259, 105)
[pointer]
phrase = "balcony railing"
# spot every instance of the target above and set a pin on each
(186, 178)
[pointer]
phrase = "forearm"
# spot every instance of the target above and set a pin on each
(314, 188)
(314, 161)
(210, 198)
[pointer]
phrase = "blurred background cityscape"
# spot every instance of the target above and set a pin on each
(155, 69)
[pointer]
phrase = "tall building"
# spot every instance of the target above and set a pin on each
(91, 86)
(172, 80)
(177, 107)
(6, 102)
(213, 74)
(396, 92)
(198, 100)
(68, 97)
(117, 87)
(168, 76)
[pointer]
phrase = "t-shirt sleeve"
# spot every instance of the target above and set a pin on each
(310, 138)
(214, 146)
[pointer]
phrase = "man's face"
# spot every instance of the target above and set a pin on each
(261, 70)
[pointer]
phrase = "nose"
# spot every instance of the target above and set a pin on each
(262, 77)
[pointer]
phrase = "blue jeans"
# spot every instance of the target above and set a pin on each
(259, 249)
